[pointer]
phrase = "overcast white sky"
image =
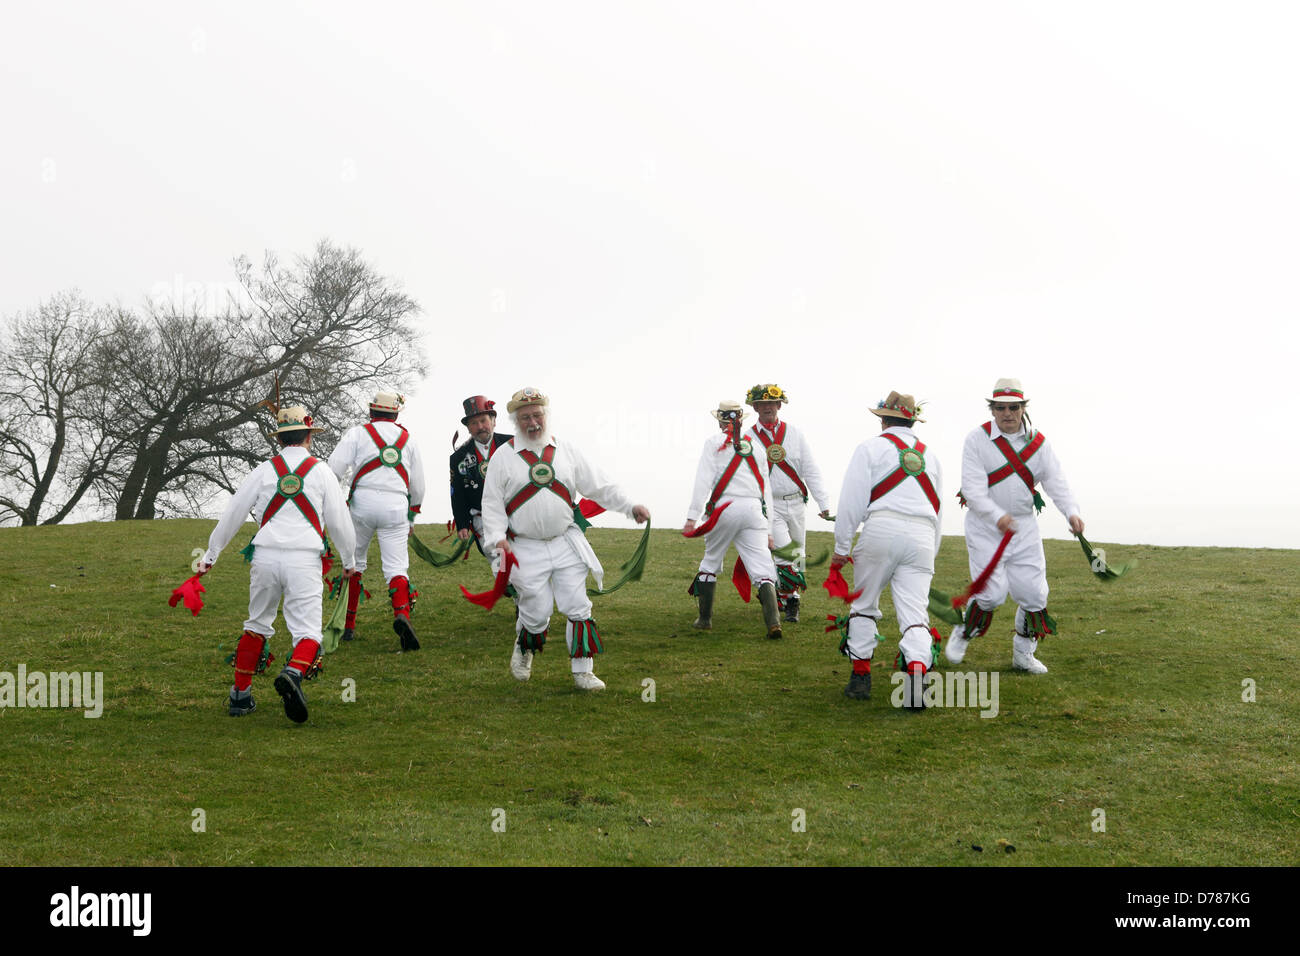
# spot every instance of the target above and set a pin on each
(642, 208)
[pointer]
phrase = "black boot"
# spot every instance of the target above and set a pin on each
(704, 591)
(859, 687)
(792, 609)
(771, 610)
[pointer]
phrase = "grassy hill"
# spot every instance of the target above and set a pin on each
(1142, 716)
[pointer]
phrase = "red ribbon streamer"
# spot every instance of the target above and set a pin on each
(977, 585)
(740, 578)
(710, 524)
(189, 592)
(589, 508)
(488, 599)
(837, 587)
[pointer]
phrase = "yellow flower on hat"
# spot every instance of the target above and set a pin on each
(773, 392)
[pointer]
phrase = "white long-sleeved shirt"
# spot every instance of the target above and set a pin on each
(544, 515)
(873, 461)
(1011, 495)
(357, 447)
(288, 528)
(715, 456)
(800, 457)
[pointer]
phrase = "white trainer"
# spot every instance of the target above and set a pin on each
(1022, 655)
(588, 681)
(955, 648)
(521, 663)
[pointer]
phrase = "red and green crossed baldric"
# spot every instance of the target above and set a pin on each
(733, 466)
(541, 474)
(390, 456)
(289, 487)
(778, 443)
(911, 464)
(1016, 461)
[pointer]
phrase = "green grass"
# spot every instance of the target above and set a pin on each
(1141, 716)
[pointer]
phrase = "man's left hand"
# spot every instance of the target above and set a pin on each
(838, 561)
(1076, 524)
(825, 513)
(641, 514)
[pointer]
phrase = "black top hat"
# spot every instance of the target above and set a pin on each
(478, 405)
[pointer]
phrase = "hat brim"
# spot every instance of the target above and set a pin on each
(488, 411)
(893, 413)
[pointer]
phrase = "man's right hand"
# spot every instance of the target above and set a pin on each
(688, 528)
(463, 533)
(503, 546)
(1006, 523)
(838, 561)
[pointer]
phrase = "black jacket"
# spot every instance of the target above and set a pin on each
(467, 480)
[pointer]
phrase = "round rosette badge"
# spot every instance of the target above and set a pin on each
(911, 461)
(541, 473)
(390, 456)
(289, 485)
(746, 447)
(775, 453)
(482, 468)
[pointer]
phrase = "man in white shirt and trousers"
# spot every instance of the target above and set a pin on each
(732, 473)
(794, 475)
(1002, 462)
(294, 499)
(386, 493)
(893, 488)
(529, 497)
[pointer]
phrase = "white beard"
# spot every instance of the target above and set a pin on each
(534, 445)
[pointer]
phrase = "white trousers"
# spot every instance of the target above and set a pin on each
(295, 576)
(789, 524)
(898, 551)
(1022, 572)
(551, 576)
(382, 513)
(744, 526)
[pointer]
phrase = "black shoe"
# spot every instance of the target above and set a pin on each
(239, 706)
(289, 686)
(914, 692)
(404, 630)
(859, 687)
(348, 634)
(792, 612)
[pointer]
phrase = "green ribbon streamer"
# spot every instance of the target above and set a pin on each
(790, 551)
(437, 558)
(632, 569)
(1108, 572)
(332, 630)
(941, 607)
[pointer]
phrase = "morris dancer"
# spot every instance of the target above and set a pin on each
(469, 465)
(386, 494)
(288, 497)
(1002, 462)
(794, 474)
(528, 505)
(729, 476)
(893, 488)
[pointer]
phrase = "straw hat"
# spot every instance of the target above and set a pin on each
(1008, 390)
(526, 396)
(727, 405)
(766, 393)
(387, 402)
(294, 419)
(899, 406)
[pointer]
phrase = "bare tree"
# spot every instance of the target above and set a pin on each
(188, 385)
(51, 388)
